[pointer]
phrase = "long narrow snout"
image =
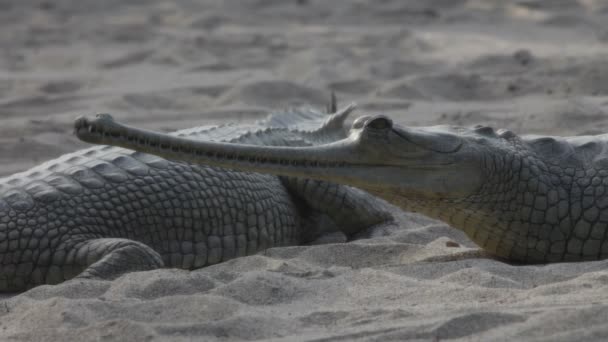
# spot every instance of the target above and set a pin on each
(376, 156)
(323, 162)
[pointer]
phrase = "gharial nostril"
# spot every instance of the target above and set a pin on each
(379, 122)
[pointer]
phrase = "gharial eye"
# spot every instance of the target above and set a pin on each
(360, 121)
(380, 122)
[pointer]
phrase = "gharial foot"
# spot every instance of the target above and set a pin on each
(353, 211)
(108, 259)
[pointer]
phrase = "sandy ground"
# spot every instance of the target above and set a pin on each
(531, 66)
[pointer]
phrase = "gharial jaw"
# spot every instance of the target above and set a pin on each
(493, 186)
(377, 156)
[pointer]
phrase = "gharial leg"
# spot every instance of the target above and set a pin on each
(103, 258)
(355, 212)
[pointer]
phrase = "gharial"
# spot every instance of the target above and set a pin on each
(104, 211)
(531, 199)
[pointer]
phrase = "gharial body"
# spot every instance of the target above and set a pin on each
(104, 211)
(529, 199)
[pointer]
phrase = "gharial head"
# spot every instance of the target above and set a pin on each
(385, 159)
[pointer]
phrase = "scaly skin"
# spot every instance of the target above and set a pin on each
(104, 211)
(524, 199)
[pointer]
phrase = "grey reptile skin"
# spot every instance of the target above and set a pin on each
(531, 199)
(104, 211)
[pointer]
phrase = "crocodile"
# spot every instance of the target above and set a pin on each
(522, 199)
(104, 211)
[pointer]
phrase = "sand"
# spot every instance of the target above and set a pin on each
(531, 66)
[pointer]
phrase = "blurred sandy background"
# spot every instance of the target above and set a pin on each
(532, 66)
(174, 64)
